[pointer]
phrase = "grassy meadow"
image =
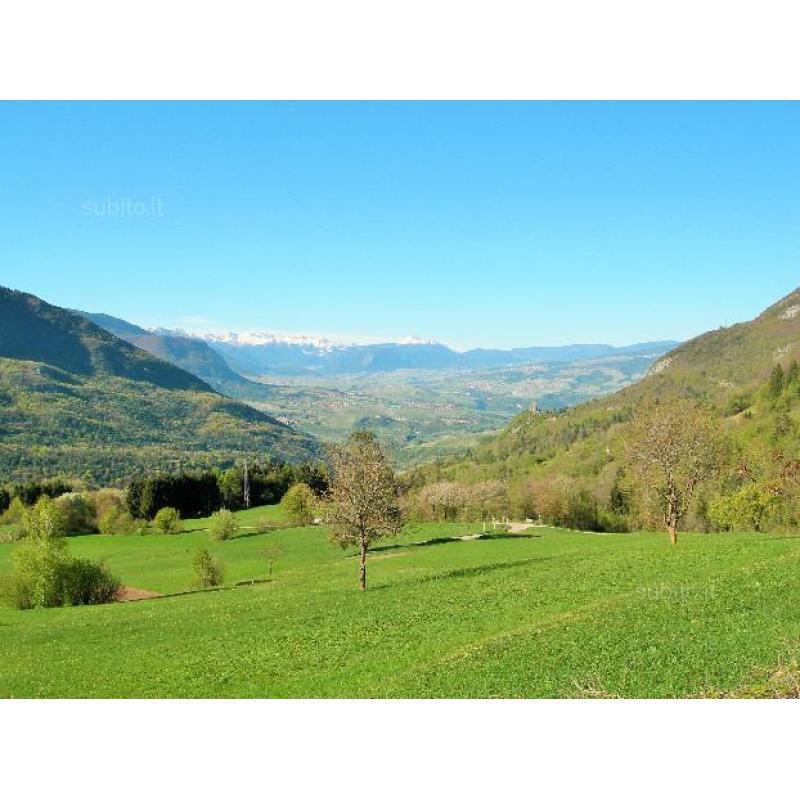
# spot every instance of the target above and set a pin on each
(544, 613)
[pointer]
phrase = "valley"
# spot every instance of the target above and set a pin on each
(425, 414)
(423, 400)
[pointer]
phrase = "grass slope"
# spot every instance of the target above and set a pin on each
(555, 614)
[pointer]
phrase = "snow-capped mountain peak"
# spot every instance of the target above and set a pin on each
(255, 339)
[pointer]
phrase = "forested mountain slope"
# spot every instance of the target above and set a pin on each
(77, 400)
(729, 371)
(32, 330)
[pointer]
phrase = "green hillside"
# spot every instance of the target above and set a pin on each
(75, 399)
(727, 371)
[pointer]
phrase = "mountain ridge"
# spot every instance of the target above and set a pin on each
(34, 330)
(283, 357)
(190, 354)
(77, 400)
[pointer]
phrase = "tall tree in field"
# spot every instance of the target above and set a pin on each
(673, 449)
(362, 495)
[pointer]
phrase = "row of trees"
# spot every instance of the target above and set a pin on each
(674, 468)
(30, 491)
(82, 512)
(199, 494)
(193, 493)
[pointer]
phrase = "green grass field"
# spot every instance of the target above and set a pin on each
(543, 614)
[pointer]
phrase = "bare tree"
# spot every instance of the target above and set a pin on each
(363, 496)
(674, 449)
(443, 501)
(272, 552)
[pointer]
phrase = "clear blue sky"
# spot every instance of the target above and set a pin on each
(475, 224)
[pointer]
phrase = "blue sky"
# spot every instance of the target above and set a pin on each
(486, 224)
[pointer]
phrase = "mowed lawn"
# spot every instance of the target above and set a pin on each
(543, 614)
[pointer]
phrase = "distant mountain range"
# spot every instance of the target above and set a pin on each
(281, 358)
(77, 399)
(267, 355)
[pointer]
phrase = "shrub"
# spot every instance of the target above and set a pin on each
(42, 571)
(43, 574)
(141, 527)
(15, 592)
(223, 524)
(746, 510)
(85, 582)
(44, 521)
(37, 573)
(5, 500)
(168, 520)
(106, 499)
(298, 503)
(613, 522)
(13, 514)
(117, 521)
(79, 512)
(208, 570)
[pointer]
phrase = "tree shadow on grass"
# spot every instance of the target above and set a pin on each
(479, 537)
(241, 534)
(261, 532)
(464, 572)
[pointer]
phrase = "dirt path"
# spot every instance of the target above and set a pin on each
(128, 594)
(518, 527)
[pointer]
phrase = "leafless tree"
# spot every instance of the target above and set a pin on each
(443, 501)
(673, 449)
(362, 497)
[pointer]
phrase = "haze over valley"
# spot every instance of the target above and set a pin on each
(423, 399)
